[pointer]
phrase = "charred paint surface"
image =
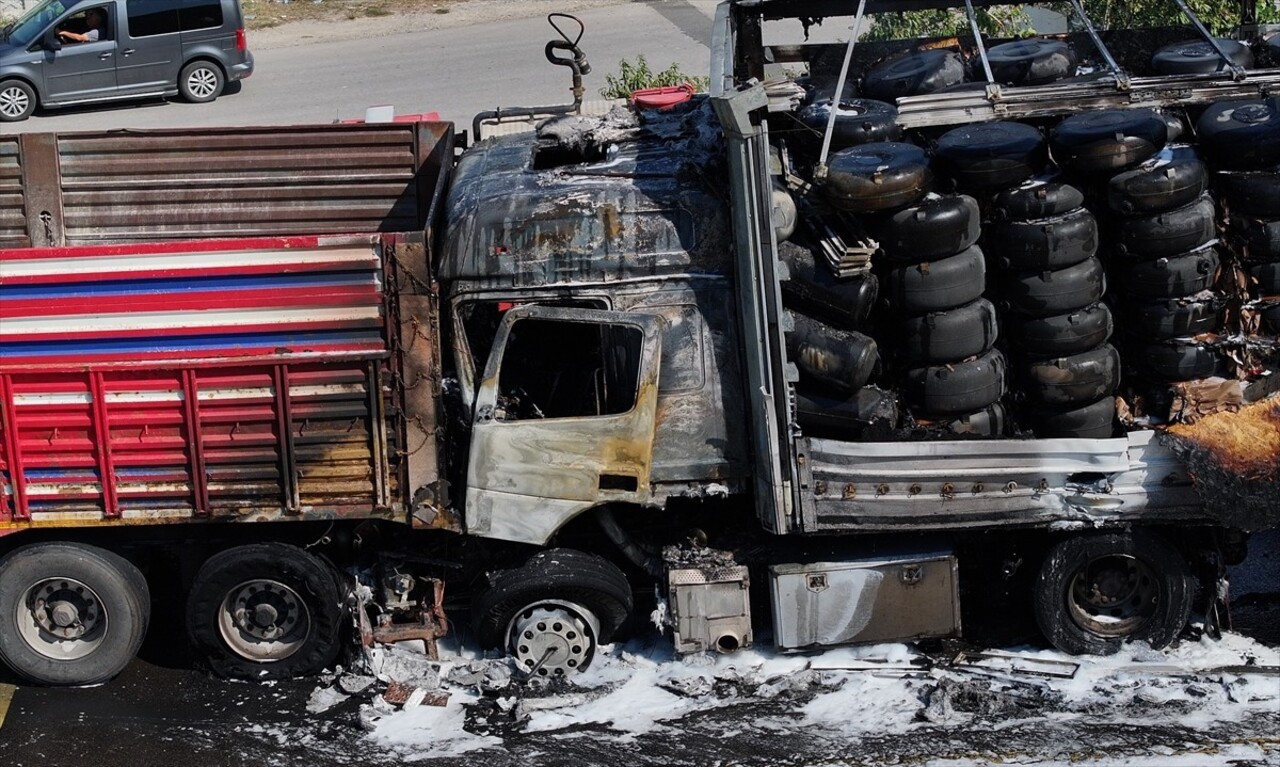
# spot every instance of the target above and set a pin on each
(1235, 460)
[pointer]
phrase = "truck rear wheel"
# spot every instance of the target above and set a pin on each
(1097, 592)
(265, 611)
(70, 614)
(552, 612)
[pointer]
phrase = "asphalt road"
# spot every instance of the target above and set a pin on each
(455, 71)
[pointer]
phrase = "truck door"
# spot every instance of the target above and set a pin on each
(83, 70)
(564, 419)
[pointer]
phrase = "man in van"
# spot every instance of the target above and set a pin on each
(94, 19)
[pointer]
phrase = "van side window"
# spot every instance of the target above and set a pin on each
(558, 369)
(152, 17)
(201, 14)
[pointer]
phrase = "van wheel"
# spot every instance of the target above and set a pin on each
(17, 101)
(70, 614)
(267, 611)
(1099, 591)
(201, 81)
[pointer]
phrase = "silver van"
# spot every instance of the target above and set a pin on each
(64, 52)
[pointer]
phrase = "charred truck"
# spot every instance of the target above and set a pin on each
(938, 329)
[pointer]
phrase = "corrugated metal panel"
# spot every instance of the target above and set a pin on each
(13, 229)
(137, 186)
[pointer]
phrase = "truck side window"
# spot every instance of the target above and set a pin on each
(559, 369)
(152, 17)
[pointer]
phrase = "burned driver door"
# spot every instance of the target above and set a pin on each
(564, 419)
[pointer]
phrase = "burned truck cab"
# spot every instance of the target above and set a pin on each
(587, 277)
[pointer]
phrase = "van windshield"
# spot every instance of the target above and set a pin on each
(29, 26)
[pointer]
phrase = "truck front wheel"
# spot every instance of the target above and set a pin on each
(1096, 592)
(70, 614)
(265, 611)
(552, 612)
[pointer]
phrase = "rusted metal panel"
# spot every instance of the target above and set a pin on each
(41, 180)
(13, 229)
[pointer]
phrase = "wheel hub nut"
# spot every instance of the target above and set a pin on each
(65, 614)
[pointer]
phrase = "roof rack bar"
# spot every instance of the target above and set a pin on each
(1237, 71)
(1122, 77)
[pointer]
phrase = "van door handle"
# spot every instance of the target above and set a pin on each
(127, 52)
(104, 56)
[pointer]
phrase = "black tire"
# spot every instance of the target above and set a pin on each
(952, 335)
(96, 599)
(1031, 62)
(1051, 243)
(1252, 194)
(913, 73)
(1073, 380)
(1159, 185)
(1171, 233)
(1108, 139)
(858, 121)
(991, 155)
(1261, 236)
(877, 177)
(812, 290)
(1173, 361)
(1173, 277)
(936, 286)
(1063, 334)
(845, 417)
(840, 361)
(1095, 420)
(280, 583)
(553, 576)
(1198, 57)
(1173, 120)
(962, 387)
(1097, 591)
(937, 226)
(1174, 318)
(1051, 292)
(1241, 135)
(201, 81)
(1036, 200)
(17, 101)
(1267, 277)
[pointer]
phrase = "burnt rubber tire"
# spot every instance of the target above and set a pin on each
(1051, 243)
(952, 335)
(1172, 277)
(935, 286)
(812, 289)
(935, 227)
(1158, 185)
(991, 155)
(1267, 277)
(201, 81)
(1031, 62)
(1198, 57)
(1171, 233)
(110, 603)
(1108, 139)
(1261, 236)
(1173, 120)
(1241, 135)
(1251, 194)
(1174, 318)
(913, 73)
(858, 121)
(1036, 200)
(1058, 291)
(1062, 334)
(1173, 361)
(1138, 575)
(556, 574)
(877, 177)
(846, 417)
(1095, 420)
(299, 590)
(1073, 380)
(17, 100)
(962, 387)
(837, 360)
(990, 421)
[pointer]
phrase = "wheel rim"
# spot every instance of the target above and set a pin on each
(264, 620)
(553, 638)
(62, 619)
(202, 82)
(1113, 596)
(14, 102)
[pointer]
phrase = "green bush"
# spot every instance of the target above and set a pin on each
(634, 77)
